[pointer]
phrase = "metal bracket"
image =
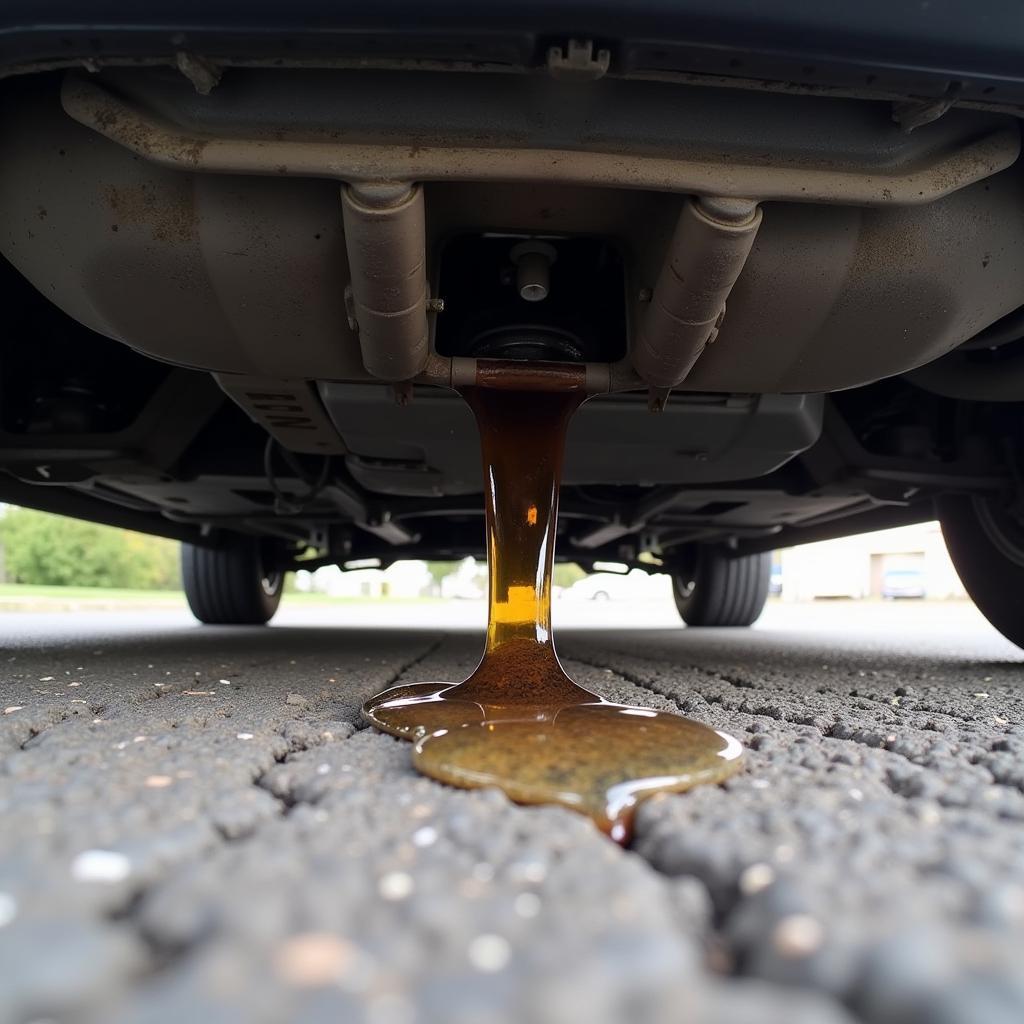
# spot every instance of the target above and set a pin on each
(578, 60)
(913, 113)
(202, 73)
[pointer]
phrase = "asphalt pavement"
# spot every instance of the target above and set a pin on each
(195, 826)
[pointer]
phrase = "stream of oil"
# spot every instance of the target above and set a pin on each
(519, 722)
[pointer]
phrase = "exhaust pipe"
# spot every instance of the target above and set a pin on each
(385, 237)
(712, 240)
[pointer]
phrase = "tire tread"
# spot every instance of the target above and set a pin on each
(994, 582)
(728, 590)
(223, 585)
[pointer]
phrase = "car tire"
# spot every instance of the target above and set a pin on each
(230, 585)
(986, 544)
(717, 589)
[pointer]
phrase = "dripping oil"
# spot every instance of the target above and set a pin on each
(519, 721)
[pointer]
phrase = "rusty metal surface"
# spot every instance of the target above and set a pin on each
(465, 371)
(289, 410)
(245, 274)
(513, 375)
(506, 375)
(386, 241)
(157, 140)
(705, 257)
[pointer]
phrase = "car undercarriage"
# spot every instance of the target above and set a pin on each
(243, 274)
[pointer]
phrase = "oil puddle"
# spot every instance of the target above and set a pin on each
(519, 722)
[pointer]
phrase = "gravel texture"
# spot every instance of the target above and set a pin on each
(197, 827)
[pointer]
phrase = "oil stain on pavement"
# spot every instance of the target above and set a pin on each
(519, 721)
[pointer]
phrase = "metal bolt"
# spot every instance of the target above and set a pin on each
(533, 265)
(435, 305)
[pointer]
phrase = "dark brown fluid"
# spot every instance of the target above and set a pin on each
(519, 722)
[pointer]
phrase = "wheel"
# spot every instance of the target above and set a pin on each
(715, 589)
(986, 543)
(229, 585)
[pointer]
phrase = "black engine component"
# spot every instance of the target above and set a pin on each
(575, 313)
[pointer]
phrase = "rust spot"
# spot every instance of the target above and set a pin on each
(106, 119)
(169, 219)
(192, 152)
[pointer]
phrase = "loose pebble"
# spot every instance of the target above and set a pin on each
(396, 885)
(313, 959)
(755, 878)
(425, 836)
(798, 935)
(107, 866)
(489, 953)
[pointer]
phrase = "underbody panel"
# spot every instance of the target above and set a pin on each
(243, 280)
(245, 273)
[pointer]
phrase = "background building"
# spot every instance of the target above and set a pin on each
(910, 561)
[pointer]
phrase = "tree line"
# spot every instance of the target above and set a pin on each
(50, 550)
(55, 551)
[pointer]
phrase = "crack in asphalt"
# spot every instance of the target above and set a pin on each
(395, 678)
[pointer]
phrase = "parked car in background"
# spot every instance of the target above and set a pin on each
(635, 585)
(903, 583)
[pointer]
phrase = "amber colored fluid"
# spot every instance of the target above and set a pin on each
(519, 722)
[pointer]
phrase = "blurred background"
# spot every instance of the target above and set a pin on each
(49, 563)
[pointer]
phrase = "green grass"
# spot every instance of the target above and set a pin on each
(29, 593)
